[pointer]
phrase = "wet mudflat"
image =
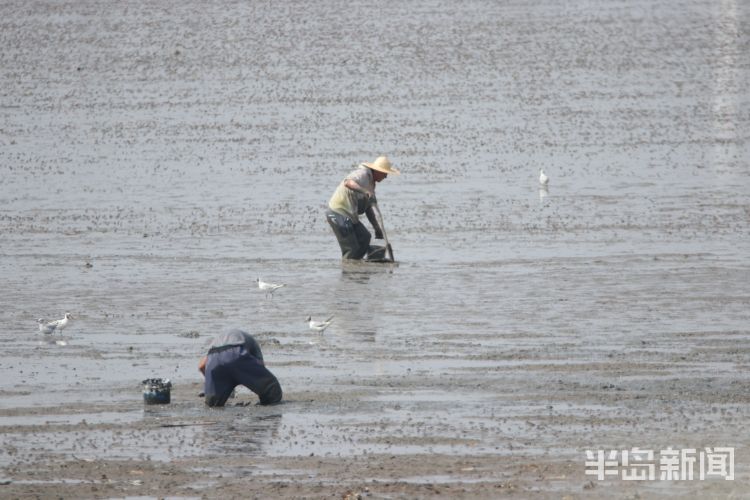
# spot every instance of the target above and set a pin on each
(184, 150)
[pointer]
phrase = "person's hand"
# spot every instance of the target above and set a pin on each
(202, 365)
(378, 235)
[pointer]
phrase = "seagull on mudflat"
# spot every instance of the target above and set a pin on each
(543, 178)
(60, 324)
(319, 326)
(57, 325)
(268, 287)
(44, 327)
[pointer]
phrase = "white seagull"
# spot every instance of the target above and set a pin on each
(543, 179)
(268, 287)
(319, 326)
(57, 325)
(44, 327)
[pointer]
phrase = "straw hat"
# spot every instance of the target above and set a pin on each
(382, 164)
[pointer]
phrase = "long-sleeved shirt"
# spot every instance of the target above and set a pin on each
(236, 337)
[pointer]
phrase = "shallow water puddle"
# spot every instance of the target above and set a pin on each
(73, 419)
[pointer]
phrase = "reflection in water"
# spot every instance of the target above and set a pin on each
(242, 434)
(360, 271)
(357, 321)
(241, 427)
(356, 293)
(727, 84)
(543, 193)
(354, 272)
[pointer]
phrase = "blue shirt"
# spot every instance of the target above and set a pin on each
(236, 337)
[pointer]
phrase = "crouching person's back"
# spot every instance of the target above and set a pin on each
(234, 358)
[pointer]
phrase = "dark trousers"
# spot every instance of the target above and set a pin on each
(228, 368)
(354, 238)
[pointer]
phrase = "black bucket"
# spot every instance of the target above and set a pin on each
(156, 391)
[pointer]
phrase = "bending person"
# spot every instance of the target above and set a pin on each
(234, 358)
(354, 196)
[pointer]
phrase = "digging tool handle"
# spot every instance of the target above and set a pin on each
(388, 247)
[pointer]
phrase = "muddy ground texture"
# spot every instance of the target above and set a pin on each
(157, 159)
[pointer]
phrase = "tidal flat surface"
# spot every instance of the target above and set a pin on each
(157, 159)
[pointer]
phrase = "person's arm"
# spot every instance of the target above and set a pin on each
(370, 212)
(202, 365)
(355, 186)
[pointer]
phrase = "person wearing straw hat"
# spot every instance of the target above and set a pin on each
(354, 196)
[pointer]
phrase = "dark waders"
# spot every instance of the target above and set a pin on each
(354, 238)
(228, 367)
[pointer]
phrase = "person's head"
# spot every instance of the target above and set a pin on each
(381, 167)
(378, 176)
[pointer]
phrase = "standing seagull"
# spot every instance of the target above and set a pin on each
(319, 326)
(46, 328)
(59, 324)
(543, 179)
(268, 287)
